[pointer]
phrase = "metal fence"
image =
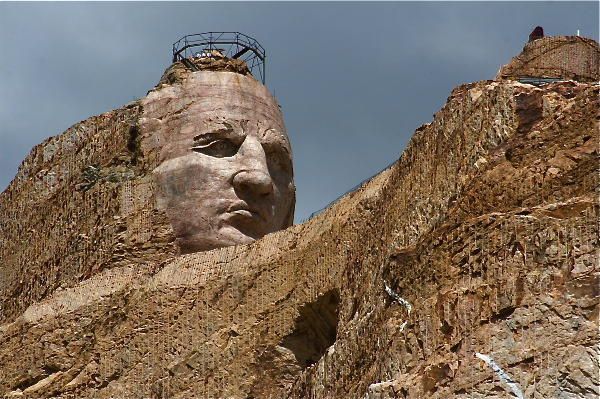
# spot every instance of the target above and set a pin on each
(536, 81)
(353, 189)
(231, 44)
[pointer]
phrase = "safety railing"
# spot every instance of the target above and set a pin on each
(234, 45)
(353, 189)
(532, 80)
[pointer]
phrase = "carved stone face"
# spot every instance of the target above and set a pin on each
(225, 175)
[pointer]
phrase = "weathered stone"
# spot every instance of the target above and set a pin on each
(137, 185)
(469, 269)
(561, 57)
(177, 72)
(224, 173)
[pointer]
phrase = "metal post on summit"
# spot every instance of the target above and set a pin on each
(234, 45)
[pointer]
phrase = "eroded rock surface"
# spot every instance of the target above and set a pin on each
(485, 227)
(178, 72)
(565, 57)
(469, 269)
(196, 165)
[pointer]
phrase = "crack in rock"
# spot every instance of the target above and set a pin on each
(504, 376)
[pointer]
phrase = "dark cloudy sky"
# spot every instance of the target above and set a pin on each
(354, 79)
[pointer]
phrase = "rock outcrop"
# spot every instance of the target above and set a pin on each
(178, 71)
(556, 57)
(78, 205)
(469, 269)
(87, 200)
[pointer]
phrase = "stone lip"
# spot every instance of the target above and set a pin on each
(177, 71)
(558, 57)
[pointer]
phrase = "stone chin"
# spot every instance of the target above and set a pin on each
(224, 174)
(224, 237)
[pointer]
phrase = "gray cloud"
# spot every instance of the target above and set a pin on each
(354, 79)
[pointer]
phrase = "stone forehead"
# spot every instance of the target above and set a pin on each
(218, 82)
(227, 88)
(175, 112)
(215, 95)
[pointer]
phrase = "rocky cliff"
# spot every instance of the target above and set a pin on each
(87, 200)
(556, 57)
(467, 270)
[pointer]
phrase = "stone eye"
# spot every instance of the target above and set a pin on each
(278, 158)
(219, 148)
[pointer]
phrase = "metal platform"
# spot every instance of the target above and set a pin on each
(234, 45)
(531, 80)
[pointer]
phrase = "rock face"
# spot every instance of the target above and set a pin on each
(78, 205)
(177, 72)
(136, 186)
(536, 33)
(224, 171)
(468, 269)
(565, 57)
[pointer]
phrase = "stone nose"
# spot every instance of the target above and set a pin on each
(253, 181)
(253, 177)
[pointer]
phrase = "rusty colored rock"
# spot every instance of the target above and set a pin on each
(536, 33)
(177, 72)
(138, 185)
(556, 57)
(468, 269)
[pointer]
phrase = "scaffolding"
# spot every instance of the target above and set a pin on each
(537, 81)
(233, 45)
